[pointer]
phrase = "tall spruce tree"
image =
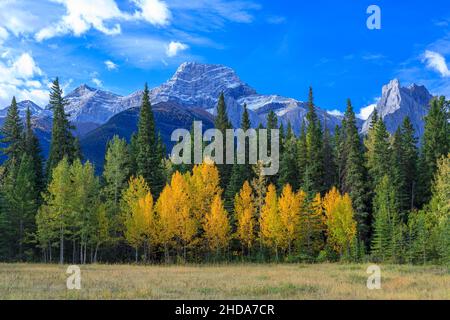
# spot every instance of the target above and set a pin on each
(272, 124)
(314, 143)
(12, 132)
(329, 163)
(386, 222)
(33, 150)
(378, 159)
(116, 171)
(147, 148)
(240, 172)
(435, 143)
(288, 162)
(354, 173)
(21, 204)
(63, 143)
(301, 155)
(404, 166)
(222, 123)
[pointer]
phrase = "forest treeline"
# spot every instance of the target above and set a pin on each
(337, 196)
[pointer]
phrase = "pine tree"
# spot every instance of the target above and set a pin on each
(21, 204)
(302, 157)
(404, 166)
(240, 172)
(386, 221)
(147, 147)
(354, 174)
(288, 162)
(63, 143)
(272, 124)
(222, 123)
(314, 147)
(116, 172)
(378, 159)
(435, 143)
(329, 164)
(33, 150)
(12, 132)
(417, 237)
(311, 224)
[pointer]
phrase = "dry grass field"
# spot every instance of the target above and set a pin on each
(247, 281)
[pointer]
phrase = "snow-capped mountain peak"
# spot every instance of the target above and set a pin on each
(87, 104)
(22, 106)
(199, 85)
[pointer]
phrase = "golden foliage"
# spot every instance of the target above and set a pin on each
(244, 209)
(217, 226)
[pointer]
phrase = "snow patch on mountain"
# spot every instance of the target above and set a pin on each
(22, 107)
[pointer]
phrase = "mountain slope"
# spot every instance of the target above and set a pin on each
(22, 106)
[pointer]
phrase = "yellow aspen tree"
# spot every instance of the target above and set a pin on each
(318, 223)
(341, 225)
(289, 208)
(217, 226)
(269, 221)
(204, 186)
(166, 220)
(244, 210)
(186, 227)
(137, 206)
(330, 201)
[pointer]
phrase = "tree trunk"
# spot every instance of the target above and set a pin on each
(166, 253)
(96, 251)
(20, 239)
(136, 255)
(61, 246)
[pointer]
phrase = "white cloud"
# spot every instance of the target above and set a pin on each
(97, 82)
(16, 17)
(174, 47)
(103, 16)
(81, 16)
(365, 112)
(21, 77)
(335, 113)
(436, 61)
(3, 35)
(110, 65)
(25, 67)
(154, 11)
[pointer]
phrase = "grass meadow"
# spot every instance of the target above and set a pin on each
(236, 281)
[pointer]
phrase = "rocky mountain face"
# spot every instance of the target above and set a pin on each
(192, 93)
(397, 102)
(22, 106)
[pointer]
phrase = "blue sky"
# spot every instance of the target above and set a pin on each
(278, 47)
